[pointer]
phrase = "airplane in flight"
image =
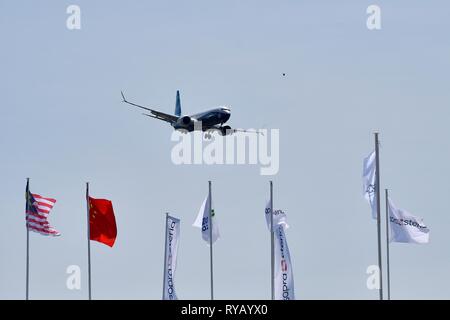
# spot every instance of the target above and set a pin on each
(211, 120)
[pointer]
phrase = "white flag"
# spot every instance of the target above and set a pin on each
(279, 217)
(369, 188)
(202, 221)
(284, 277)
(405, 227)
(170, 264)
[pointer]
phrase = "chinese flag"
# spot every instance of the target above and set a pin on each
(102, 222)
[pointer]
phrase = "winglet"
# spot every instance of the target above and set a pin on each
(123, 96)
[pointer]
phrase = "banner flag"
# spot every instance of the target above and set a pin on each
(202, 221)
(369, 175)
(170, 263)
(284, 277)
(406, 227)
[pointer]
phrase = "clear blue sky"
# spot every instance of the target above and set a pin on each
(62, 123)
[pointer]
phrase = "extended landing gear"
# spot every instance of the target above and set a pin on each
(223, 131)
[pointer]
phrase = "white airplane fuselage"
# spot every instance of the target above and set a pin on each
(210, 120)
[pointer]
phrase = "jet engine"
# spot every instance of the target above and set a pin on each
(184, 121)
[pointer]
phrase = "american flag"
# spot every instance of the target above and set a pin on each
(37, 211)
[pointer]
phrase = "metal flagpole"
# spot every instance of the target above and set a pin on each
(88, 241)
(27, 281)
(387, 246)
(377, 190)
(272, 246)
(165, 258)
(210, 241)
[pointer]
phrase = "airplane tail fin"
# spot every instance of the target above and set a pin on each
(178, 105)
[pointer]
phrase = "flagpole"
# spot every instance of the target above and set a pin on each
(165, 258)
(387, 246)
(377, 190)
(88, 241)
(27, 279)
(272, 246)
(210, 241)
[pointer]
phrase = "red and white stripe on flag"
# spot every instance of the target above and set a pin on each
(38, 214)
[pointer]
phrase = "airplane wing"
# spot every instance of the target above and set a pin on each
(248, 131)
(154, 114)
(218, 127)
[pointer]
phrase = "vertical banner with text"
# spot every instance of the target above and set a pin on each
(170, 263)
